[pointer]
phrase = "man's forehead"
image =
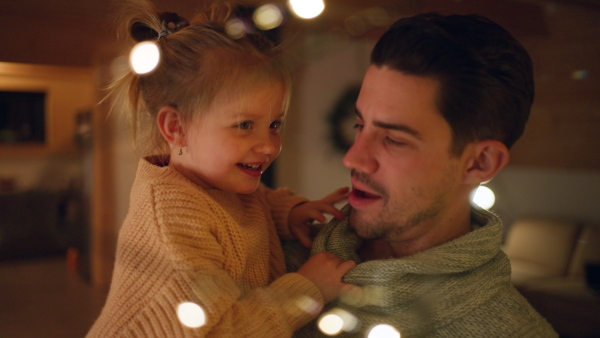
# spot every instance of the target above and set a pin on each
(387, 89)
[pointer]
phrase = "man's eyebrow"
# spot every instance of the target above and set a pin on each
(392, 126)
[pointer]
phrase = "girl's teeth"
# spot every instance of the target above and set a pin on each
(251, 166)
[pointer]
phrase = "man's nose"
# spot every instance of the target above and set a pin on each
(361, 155)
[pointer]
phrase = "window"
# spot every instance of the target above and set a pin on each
(22, 117)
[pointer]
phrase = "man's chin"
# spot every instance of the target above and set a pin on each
(362, 224)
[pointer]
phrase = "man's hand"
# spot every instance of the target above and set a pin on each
(302, 215)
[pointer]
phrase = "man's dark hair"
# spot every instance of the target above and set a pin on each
(485, 75)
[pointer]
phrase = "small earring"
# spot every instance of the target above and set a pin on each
(180, 152)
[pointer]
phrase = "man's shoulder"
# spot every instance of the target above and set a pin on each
(508, 314)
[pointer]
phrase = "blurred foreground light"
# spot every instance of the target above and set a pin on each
(307, 9)
(119, 65)
(580, 74)
(355, 25)
(383, 331)
(309, 305)
(483, 197)
(191, 314)
(336, 321)
(377, 16)
(235, 28)
(144, 57)
(267, 17)
(331, 324)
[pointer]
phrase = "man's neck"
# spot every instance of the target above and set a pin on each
(402, 247)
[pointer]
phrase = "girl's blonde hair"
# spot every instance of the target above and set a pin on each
(199, 62)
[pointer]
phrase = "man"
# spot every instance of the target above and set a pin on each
(444, 99)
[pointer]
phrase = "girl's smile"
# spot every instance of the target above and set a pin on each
(254, 170)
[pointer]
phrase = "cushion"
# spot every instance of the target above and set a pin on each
(541, 246)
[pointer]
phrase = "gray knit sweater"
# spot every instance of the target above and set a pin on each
(459, 289)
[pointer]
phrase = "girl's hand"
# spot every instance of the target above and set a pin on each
(302, 215)
(327, 270)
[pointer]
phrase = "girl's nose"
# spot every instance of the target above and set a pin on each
(268, 144)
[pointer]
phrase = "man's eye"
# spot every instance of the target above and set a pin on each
(394, 142)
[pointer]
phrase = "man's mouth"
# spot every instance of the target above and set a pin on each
(360, 199)
(363, 194)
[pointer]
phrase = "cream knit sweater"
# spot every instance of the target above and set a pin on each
(182, 243)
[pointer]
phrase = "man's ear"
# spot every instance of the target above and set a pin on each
(489, 157)
(170, 125)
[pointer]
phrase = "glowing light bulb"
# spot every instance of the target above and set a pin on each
(307, 9)
(191, 314)
(483, 197)
(383, 331)
(144, 57)
(267, 17)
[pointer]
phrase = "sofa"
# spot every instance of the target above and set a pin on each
(555, 266)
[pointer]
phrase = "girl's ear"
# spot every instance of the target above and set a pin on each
(489, 157)
(170, 125)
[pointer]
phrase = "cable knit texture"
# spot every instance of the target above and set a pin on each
(182, 243)
(459, 289)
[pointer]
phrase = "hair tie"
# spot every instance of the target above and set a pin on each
(171, 23)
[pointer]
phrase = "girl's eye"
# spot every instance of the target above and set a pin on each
(245, 125)
(358, 126)
(275, 125)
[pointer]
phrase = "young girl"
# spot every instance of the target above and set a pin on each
(201, 228)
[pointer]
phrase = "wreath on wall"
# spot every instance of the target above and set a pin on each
(343, 118)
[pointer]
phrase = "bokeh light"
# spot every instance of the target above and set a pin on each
(336, 321)
(191, 314)
(307, 9)
(377, 16)
(119, 66)
(484, 197)
(355, 25)
(580, 74)
(144, 57)
(308, 305)
(383, 331)
(267, 17)
(331, 324)
(235, 28)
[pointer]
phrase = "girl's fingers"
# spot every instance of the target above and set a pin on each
(337, 196)
(329, 209)
(317, 215)
(346, 266)
(305, 240)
